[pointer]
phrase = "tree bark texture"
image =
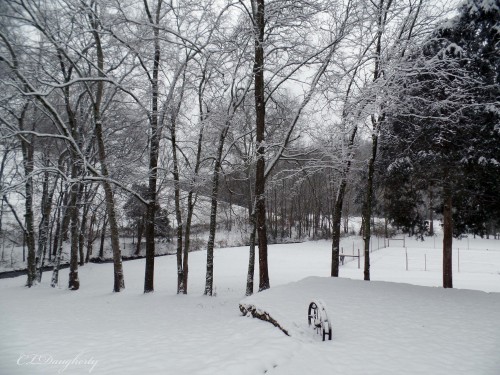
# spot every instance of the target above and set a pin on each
(260, 124)
(28, 152)
(367, 212)
(103, 235)
(337, 209)
(382, 9)
(213, 211)
(447, 240)
(154, 147)
(63, 218)
(43, 228)
(118, 283)
(90, 237)
(177, 200)
(251, 256)
(74, 281)
(140, 231)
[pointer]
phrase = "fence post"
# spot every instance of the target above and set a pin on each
(406, 252)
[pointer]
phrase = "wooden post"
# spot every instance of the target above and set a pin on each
(406, 252)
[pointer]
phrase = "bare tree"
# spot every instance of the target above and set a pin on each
(322, 55)
(394, 26)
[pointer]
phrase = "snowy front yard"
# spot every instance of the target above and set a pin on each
(378, 327)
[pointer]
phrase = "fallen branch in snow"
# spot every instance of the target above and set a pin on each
(262, 315)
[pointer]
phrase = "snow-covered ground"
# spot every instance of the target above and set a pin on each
(379, 327)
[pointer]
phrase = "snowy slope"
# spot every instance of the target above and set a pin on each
(379, 327)
(388, 328)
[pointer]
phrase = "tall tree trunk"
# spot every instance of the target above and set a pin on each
(118, 279)
(382, 10)
(58, 255)
(191, 202)
(431, 211)
(83, 229)
(187, 241)
(260, 124)
(140, 231)
(192, 195)
(177, 200)
(209, 278)
(75, 164)
(367, 211)
(447, 239)
(253, 224)
(283, 211)
(27, 148)
(28, 151)
(44, 226)
(336, 221)
(62, 201)
(154, 147)
(6, 151)
(74, 281)
(251, 259)
(119, 282)
(346, 213)
(179, 232)
(338, 205)
(90, 238)
(103, 235)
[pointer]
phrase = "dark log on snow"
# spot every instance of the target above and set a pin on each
(262, 315)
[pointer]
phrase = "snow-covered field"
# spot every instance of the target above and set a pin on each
(379, 327)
